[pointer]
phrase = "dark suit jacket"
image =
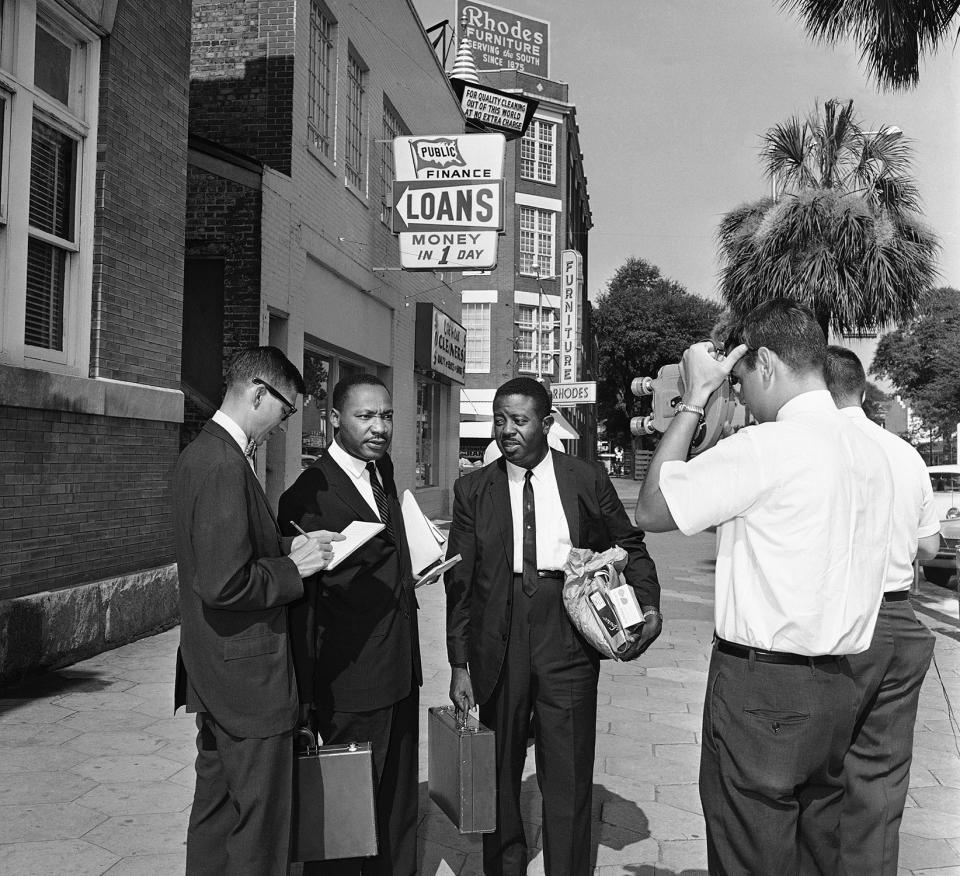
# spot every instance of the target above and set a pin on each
(478, 615)
(356, 644)
(235, 584)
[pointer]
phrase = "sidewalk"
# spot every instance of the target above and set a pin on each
(96, 774)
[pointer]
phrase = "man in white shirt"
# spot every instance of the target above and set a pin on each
(802, 505)
(890, 672)
(511, 647)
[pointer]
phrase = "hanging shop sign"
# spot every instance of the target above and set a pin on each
(571, 295)
(448, 200)
(492, 110)
(503, 39)
(440, 344)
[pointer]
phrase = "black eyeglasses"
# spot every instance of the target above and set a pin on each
(288, 409)
(732, 378)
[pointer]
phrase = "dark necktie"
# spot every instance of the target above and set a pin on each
(381, 499)
(250, 452)
(529, 537)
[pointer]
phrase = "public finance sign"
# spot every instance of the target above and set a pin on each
(571, 288)
(448, 200)
(502, 39)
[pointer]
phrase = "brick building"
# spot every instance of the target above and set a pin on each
(293, 107)
(93, 140)
(513, 313)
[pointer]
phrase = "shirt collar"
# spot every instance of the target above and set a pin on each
(541, 470)
(227, 422)
(350, 464)
(805, 402)
(854, 412)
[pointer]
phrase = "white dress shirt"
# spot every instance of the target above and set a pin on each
(914, 514)
(553, 534)
(236, 433)
(357, 469)
(803, 509)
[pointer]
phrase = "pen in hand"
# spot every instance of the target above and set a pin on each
(300, 529)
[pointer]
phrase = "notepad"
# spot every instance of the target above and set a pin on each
(356, 535)
(425, 542)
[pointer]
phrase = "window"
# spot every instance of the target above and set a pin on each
(528, 339)
(47, 170)
(537, 152)
(536, 241)
(321, 80)
(393, 127)
(476, 321)
(428, 405)
(353, 159)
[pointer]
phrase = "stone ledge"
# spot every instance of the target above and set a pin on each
(59, 627)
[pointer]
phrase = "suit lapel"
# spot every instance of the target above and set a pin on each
(569, 495)
(499, 500)
(343, 486)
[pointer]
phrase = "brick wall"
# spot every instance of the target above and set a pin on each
(81, 498)
(141, 187)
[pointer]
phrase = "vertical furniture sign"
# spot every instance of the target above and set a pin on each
(571, 289)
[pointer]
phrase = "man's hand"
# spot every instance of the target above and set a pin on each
(312, 552)
(651, 629)
(704, 369)
(461, 689)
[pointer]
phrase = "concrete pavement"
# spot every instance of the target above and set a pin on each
(96, 773)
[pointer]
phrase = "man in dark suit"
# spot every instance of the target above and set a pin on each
(234, 666)
(357, 646)
(511, 646)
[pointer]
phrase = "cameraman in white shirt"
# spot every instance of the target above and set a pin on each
(802, 503)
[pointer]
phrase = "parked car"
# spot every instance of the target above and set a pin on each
(945, 480)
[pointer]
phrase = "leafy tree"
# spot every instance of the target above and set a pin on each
(843, 237)
(643, 321)
(922, 360)
(893, 35)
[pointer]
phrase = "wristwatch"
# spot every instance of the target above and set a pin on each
(694, 409)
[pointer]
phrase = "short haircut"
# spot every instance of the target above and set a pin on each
(268, 363)
(785, 327)
(345, 384)
(844, 374)
(542, 400)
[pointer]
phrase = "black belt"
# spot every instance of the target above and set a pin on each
(761, 656)
(897, 596)
(544, 573)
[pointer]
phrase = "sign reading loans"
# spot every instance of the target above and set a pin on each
(503, 39)
(448, 200)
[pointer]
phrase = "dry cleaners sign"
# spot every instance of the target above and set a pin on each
(440, 343)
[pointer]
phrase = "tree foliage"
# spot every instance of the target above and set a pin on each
(893, 35)
(843, 237)
(922, 360)
(643, 321)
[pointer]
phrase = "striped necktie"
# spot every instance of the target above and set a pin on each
(383, 509)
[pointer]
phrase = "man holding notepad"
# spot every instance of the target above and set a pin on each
(356, 644)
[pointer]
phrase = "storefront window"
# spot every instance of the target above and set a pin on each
(427, 430)
(316, 375)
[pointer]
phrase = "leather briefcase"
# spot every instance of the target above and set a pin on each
(333, 801)
(462, 769)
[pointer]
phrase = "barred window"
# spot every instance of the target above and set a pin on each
(536, 241)
(537, 153)
(320, 79)
(476, 321)
(393, 126)
(353, 159)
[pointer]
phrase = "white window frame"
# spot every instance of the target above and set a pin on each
(393, 126)
(538, 241)
(526, 345)
(322, 143)
(355, 155)
(477, 326)
(78, 120)
(539, 152)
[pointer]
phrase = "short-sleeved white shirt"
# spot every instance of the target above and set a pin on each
(914, 514)
(802, 507)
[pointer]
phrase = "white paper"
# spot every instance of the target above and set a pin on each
(357, 534)
(625, 604)
(425, 541)
(434, 572)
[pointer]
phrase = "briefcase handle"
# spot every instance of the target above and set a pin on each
(313, 740)
(461, 716)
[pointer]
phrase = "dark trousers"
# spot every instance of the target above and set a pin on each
(771, 783)
(877, 766)
(393, 734)
(240, 820)
(550, 670)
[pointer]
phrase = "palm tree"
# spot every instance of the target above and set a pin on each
(843, 234)
(892, 34)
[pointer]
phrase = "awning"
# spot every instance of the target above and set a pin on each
(476, 417)
(476, 429)
(562, 427)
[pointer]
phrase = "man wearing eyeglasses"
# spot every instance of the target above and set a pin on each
(234, 665)
(360, 653)
(801, 502)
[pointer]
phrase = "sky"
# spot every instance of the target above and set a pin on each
(673, 97)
